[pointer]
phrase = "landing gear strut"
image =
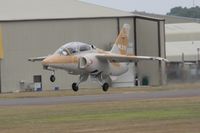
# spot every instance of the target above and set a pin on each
(52, 77)
(103, 80)
(82, 78)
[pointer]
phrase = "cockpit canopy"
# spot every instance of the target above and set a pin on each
(73, 48)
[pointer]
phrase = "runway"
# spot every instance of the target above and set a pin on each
(101, 97)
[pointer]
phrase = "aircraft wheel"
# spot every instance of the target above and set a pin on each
(75, 87)
(105, 87)
(52, 78)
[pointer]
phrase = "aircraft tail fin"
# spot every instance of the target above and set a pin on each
(121, 43)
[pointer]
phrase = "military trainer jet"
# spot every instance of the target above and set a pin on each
(86, 60)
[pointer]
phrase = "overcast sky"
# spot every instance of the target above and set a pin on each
(151, 6)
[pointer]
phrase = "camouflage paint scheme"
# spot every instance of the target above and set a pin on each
(82, 59)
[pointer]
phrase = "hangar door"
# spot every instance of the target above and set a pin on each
(150, 41)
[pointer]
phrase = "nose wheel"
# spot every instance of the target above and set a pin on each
(52, 78)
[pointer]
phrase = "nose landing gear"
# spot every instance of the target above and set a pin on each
(52, 78)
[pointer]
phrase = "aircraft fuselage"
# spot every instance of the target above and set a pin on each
(85, 63)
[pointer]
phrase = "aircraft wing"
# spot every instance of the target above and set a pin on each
(127, 58)
(37, 58)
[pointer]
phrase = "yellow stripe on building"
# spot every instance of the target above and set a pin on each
(1, 44)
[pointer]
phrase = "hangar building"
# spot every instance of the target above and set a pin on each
(169, 19)
(183, 38)
(183, 52)
(31, 28)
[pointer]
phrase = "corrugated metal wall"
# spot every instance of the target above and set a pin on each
(150, 43)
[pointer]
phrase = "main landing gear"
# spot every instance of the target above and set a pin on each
(75, 87)
(105, 87)
(103, 80)
(82, 78)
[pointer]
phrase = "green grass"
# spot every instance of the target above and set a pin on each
(180, 115)
(173, 115)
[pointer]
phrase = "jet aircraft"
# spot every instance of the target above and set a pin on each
(86, 60)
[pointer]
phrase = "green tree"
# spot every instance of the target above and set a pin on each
(193, 12)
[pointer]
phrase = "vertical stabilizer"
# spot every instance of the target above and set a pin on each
(121, 43)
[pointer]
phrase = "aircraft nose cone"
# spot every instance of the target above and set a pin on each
(57, 59)
(47, 61)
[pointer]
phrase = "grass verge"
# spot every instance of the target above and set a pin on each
(176, 115)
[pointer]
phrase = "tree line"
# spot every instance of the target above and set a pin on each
(193, 12)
